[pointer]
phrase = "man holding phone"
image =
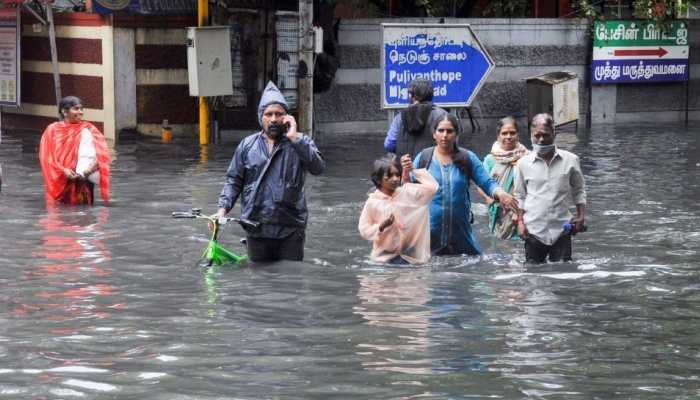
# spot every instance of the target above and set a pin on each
(267, 171)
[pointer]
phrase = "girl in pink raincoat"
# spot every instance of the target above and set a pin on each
(396, 217)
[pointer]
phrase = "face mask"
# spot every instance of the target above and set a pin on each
(542, 149)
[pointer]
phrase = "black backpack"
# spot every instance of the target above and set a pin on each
(324, 71)
(461, 160)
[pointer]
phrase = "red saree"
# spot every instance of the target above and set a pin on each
(58, 150)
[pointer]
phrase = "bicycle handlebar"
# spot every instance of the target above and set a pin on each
(182, 214)
(196, 213)
(246, 223)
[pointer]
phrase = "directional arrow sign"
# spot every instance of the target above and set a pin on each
(448, 55)
(637, 51)
(660, 52)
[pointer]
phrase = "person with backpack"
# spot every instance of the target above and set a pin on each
(453, 167)
(410, 130)
(267, 171)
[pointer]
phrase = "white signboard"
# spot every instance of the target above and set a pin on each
(640, 51)
(9, 57)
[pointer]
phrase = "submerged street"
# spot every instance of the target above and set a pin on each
(107, 302)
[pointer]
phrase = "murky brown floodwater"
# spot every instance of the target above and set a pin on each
(105, 302)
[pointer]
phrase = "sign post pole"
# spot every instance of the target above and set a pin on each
(202, 15)
(54, 55)
(687, 95)
(306, 58)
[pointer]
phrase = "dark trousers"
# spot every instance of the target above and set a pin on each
(398, 261)
(288, 248)
(537, 252)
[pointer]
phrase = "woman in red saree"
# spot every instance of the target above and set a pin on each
(74, 157)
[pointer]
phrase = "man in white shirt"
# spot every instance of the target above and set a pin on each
(545, 180)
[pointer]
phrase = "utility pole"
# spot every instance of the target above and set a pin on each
(305, 105)
(54, 55)
(202, 17)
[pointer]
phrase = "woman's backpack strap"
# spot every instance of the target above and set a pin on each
(426, 155)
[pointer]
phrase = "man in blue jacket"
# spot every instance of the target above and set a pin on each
(267, 172)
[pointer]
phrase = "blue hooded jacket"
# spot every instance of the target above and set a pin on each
(271, 185)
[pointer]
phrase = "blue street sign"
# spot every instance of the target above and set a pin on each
(449, 55)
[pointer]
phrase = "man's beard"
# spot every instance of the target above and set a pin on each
(276, 131)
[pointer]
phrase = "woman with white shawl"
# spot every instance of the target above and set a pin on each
(500, 163)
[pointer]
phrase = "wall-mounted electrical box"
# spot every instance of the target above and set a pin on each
(209, 61)
(555, 93)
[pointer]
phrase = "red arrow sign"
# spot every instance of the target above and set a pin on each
(642, 52)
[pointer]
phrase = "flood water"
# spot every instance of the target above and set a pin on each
(107, 302)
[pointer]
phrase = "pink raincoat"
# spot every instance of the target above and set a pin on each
(409, 235)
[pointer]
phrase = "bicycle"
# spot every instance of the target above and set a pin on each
(215, 253)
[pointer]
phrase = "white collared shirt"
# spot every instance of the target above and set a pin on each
(545, 192)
